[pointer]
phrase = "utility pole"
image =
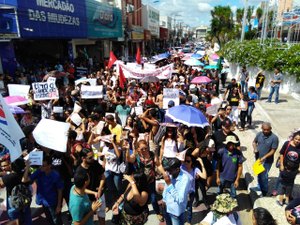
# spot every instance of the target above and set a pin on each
(244, 20)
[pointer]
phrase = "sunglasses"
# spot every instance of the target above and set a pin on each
(188, 161)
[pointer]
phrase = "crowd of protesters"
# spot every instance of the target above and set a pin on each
(114, 160)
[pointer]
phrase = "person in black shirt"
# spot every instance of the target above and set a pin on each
(259, 83)
(231, 86)
(9, 181)
(97, 180)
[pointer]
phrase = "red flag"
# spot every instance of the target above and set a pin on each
(138, 56)
(122, 78)
(112, 59)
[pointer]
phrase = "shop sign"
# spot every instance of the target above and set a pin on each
(153, 21)
(147, 35)
(104, 21)
(52, 18)
(137, 33)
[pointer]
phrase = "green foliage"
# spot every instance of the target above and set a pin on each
(267, 57)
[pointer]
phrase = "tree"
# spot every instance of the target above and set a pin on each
(222, 25)
(239, 15)
(249, 16)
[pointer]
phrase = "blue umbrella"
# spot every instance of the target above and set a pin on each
(196, 56)
(193, 62)
(187, 115)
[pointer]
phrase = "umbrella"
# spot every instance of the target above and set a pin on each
(201, 80)
(209, 67)
(214, 56)
(187, 115)
(150, 79)
(16, 110)
(193, 62)
(196, 56)
(15, 100)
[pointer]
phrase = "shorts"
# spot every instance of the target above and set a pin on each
(101, 210)
(285, 189)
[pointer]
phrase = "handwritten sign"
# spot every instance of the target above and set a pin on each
(76, 118)
(91, 92)
(36, 158)
(18, 90)
(170, 94)
(58, 109)
(45, 91)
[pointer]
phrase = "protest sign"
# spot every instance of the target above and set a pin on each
(18, 90)
(35, 157)
(91, 92)
(10, 131)
(51, 80)
(52, 134)
(76, 119)
(45, 91)
(77, 107)
(58, 109)
(170, 94)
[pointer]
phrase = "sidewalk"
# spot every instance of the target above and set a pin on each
(284, 118)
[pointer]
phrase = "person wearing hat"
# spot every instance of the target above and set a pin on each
(175, 195)
(229, 166)
(222, 212)
(259, 83)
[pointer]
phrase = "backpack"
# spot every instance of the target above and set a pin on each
(235, 215)
(159, 135)
(20, 196)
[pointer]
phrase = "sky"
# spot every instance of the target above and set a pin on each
(194, 12)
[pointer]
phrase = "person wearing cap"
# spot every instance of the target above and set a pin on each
(229, 166)
(222, 212)
(175, 195)
(259, 83)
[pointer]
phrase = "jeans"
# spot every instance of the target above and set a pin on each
(24, 215)
(272, 90)
(244, 86)
(258, 90)
(153, 199)
(243, 116)
(174, 220)
(113, 180)
(225, 183)
(263, 178)
(249, 114)
(52, 217)
(190, 207)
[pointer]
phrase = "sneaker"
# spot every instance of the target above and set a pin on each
(268, 101)
(276, 102)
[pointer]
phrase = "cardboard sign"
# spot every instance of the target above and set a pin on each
(76, 118)
(18, 90)
(52, 134)
(58, 109)
(10, 131)
(91, 92)
(170, 94)
(45, 91)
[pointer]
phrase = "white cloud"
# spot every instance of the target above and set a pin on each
(204, 7)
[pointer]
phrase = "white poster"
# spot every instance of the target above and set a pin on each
(91, 92)
(36, 158)
(77, 107)
(138, 110)
(10, 131)
(170, 94)
(213, 109)
(52, 134)
(76, 118)
(58, 109)
(18, 90)
(45, 91)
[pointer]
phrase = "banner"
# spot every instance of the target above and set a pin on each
(18, 90)
(170, 94)
(164, 72)
(45, 91)
(91, 92)
(92, 81)
(10, 131)
(52, 134)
